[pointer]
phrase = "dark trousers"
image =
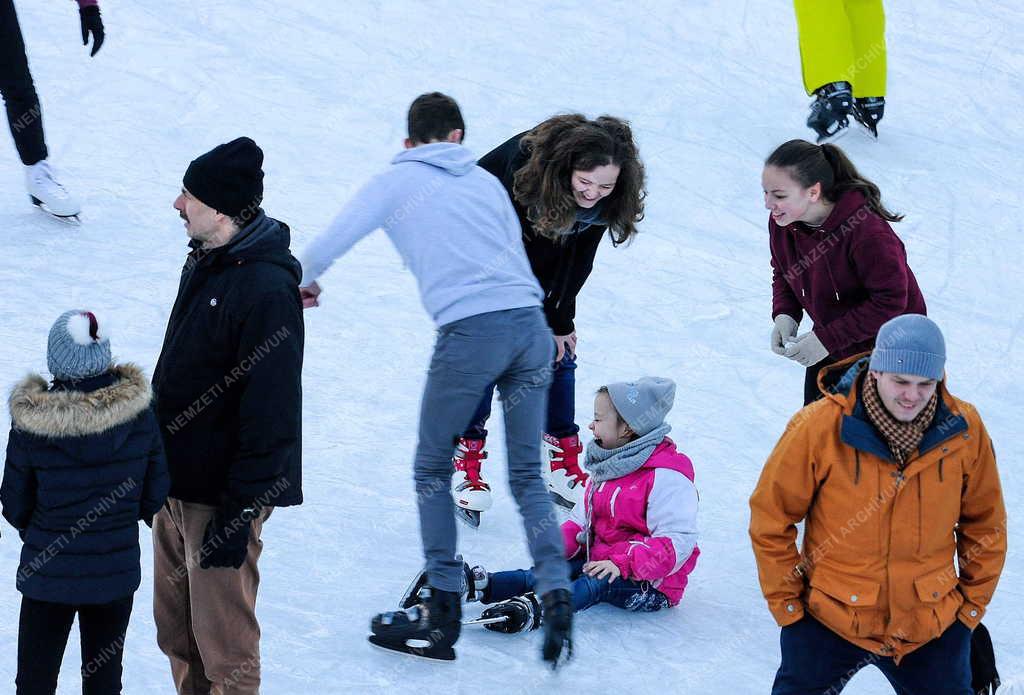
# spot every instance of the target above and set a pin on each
(817, 661)
(638, 597)
(513, 348)
(24, 115)
(43, 634)
(561, 413)
(811, 390)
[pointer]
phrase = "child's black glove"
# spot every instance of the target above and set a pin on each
(226, 538)
(91, 23)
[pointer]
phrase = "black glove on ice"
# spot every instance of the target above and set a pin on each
(226, 538)
(91, 22)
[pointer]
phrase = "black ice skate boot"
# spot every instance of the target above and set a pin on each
(428, 629)
(868, 112)
(475, 581)
(521, 613)
(830, 110)
(557, 606)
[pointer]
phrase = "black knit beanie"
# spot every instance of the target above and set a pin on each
(228, 178)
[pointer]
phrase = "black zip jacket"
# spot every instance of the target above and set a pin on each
(228, 383)
(561, 266)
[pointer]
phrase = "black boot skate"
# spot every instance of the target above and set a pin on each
(521, 614)
(474, 583)
(557, 606)
(428, 629)
(868, 112)
(830, 110)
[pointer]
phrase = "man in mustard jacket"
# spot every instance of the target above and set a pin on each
(892, 476)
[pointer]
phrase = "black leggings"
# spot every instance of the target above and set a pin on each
(24, 115)
(43, 635)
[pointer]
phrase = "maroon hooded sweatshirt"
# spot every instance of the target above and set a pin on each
(850, 275)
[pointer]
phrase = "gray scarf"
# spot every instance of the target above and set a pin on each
(606, 464)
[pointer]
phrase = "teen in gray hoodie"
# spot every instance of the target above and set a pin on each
(456, 229)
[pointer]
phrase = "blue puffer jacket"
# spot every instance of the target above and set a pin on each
(85, 463)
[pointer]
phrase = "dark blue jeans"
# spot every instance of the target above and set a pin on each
(586, 591)
(817, 661)
(561, 415)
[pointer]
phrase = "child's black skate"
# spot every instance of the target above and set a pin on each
(428, 629)
(830, 110)
(521, 614)
(557, 606)
(868, 112)
(474, 582)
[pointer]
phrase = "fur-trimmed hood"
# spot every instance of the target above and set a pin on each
(65, 414)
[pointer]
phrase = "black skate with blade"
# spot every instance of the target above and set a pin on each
(428, 629)
(474, 581)
(830, 110)
(868, 112)
(557, 606)
(521, 614)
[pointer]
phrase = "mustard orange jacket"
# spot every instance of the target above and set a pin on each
(877, 560)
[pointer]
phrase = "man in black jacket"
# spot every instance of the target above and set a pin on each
(229, 400)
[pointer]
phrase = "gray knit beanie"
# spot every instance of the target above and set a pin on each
(643, 403)
(77, 349)
(910, 344)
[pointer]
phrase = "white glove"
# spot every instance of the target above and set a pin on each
(807, 350)
(785, 329)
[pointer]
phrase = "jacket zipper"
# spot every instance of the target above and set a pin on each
(856, 472)
(941, 461)
(614, 495)
(589, 508)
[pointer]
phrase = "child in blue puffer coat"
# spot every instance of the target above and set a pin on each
(84, 465)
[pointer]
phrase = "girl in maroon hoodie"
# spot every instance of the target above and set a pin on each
(834, 256)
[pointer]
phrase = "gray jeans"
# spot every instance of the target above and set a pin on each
(515, 350)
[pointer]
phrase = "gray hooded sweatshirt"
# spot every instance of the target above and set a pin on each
(452, 223)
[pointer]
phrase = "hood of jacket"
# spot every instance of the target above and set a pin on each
(449, 156)
(70, 417)
(262, 240)
(841, 382)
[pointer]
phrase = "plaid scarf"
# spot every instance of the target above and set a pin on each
(903, 438)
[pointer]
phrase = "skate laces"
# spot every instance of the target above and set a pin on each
(469, 455)
(42, 175)
(569, 461)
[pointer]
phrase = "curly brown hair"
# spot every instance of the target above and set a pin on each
(571, 142)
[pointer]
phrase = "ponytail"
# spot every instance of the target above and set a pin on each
(828, 164)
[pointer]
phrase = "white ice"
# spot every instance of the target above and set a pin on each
(710, 87)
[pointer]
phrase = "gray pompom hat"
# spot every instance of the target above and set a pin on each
(643, 403)
(77, 349)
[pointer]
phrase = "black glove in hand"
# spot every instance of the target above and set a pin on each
(226, 538)
(91, 22)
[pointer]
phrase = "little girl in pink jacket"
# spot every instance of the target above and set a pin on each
(632, 541)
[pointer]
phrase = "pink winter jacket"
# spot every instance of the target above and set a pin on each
(645, 522)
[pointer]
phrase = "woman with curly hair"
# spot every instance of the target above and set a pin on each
(571, 180)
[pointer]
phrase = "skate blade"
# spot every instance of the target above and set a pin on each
(421, 648)
(561, 501)
(822, 139)
(469, 517)
(63, 218)
(486, 621)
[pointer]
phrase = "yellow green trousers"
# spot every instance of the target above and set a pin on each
(842, 41)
